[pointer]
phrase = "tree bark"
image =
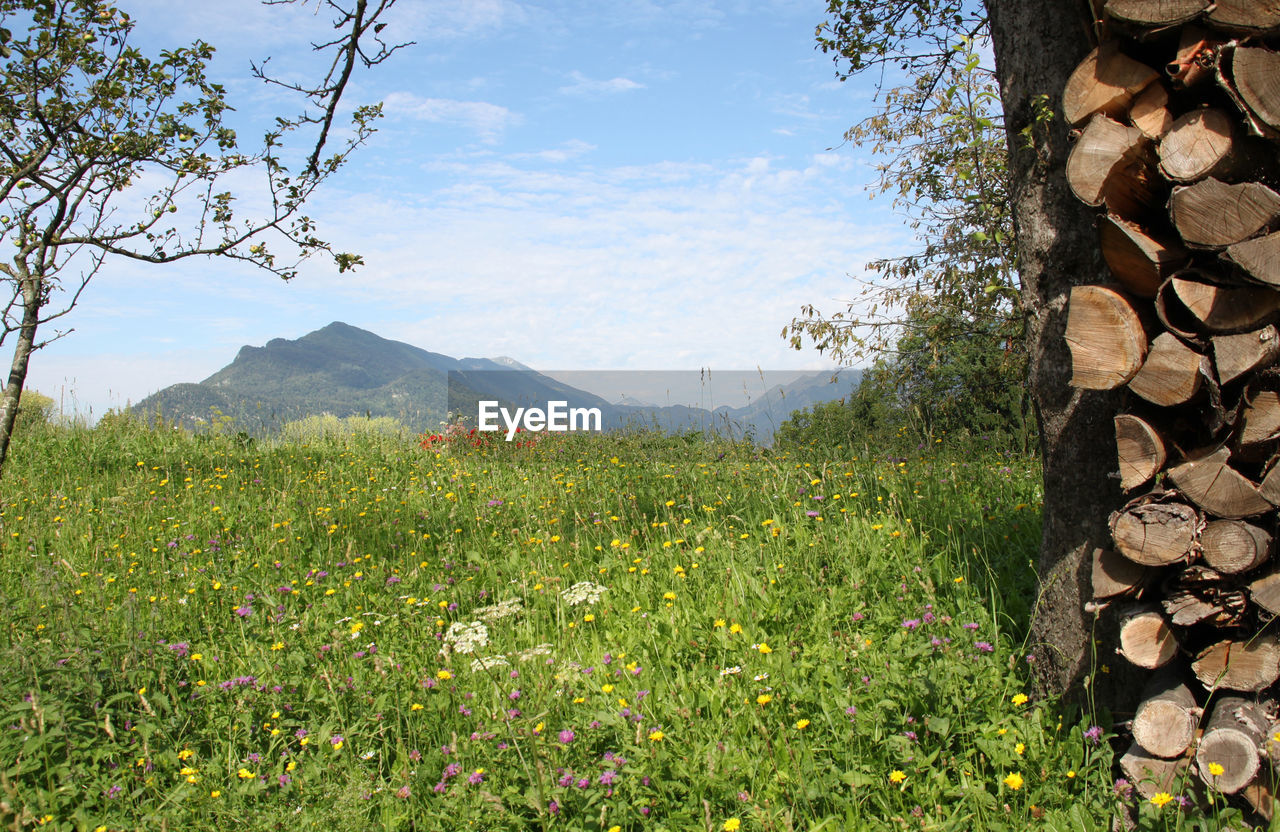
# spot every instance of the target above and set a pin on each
(22, 350)
(1037, 44)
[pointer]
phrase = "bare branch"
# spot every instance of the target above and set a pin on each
(355, 24)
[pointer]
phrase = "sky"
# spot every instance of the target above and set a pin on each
(577, 185)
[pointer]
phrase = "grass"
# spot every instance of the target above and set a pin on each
(672, 634)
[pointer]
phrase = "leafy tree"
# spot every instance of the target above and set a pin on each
(942, 145)
(106, 152)
(929, 385)
(1036, 45)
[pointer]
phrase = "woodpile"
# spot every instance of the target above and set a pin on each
(1176, 118)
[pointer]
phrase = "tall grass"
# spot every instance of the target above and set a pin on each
(595, 633)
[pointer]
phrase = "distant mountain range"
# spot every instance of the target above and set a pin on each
(346, 371)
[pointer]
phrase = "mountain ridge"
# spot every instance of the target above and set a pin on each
(343, 370)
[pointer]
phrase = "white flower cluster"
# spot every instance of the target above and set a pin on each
(464, 638)
(488, 663)
(529, 653)
(583, 592)
(499, 611)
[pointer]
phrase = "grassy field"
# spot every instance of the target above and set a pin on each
(592, 633)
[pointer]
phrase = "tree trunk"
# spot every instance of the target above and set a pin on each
(1037, 45)
(18, 369)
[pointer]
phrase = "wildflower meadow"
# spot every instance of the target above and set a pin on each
(604, 633)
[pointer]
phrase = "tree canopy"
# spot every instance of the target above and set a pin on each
(108, 152)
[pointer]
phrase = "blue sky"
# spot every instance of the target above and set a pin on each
(580, 186)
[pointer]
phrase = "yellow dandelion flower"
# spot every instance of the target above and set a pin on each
(764, 699)
(415, 706)
(719, 622)
(656, 736)
(1020, 699)
(764, 648)
(737, 628)
(1014, 781)
(897, 776)
(732, 825)
(1019, 748)
(444, 674)
(1161, 798)
(1216, 769)
(802, 724)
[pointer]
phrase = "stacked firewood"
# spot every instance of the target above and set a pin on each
(1177, 118)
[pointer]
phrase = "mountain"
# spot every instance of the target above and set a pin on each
(762, 417)
(346, 371)
(339, 369)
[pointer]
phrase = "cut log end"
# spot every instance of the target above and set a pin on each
(1156, 533)
(1198, 145)
(1216, 487)
(1170, 375)
(1235, 355)
(1104, 82)
(1165, 723)
(1213, 214)
(1247, 666)
(1105, 335)
(1233, 546)
(1151, 775)
(1140, 450)
(1146, 640)
(1227, 758)
(1155, 12)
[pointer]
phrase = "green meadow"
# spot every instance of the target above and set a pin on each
(600, 633)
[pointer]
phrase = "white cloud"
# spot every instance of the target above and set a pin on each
(667, 265)
(582, 85)
(487, 120)
(642, 266)
(452, 19)
(571, 149)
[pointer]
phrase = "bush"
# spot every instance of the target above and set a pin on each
(314, 430)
